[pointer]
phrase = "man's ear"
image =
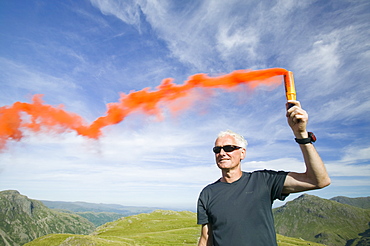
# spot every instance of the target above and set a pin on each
(243, 154)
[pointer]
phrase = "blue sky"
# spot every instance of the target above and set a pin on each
(83, 54)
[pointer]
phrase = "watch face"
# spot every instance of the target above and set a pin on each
(312, 136)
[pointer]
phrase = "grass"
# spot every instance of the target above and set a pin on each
(161, 227)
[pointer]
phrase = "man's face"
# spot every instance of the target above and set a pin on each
(228, 160)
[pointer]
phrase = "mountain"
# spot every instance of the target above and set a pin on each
(100, 218)
(324, 221)
(361, 202)
(97, 213)
(306, 218)
(161, 227)
(23, 219)
(97, 218)
(97, 207)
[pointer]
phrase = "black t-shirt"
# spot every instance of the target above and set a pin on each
(239, 213)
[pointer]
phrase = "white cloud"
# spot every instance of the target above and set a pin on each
(323, 58)
(139, 167)
(352, 182)
(237, 44)
(285, 164)
(57, 91)
(354, 107)
(93, 62)
(127, 11)
(356, 154)
(339, 169)
(29, 80)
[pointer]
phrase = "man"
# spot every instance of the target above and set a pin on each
(236, 209)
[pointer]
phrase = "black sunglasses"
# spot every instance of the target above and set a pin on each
(226, 148)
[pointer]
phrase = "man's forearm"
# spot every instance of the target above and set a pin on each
(205, 238)
(315, 168)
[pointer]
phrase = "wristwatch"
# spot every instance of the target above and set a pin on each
(311, 139)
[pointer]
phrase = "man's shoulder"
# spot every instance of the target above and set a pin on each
(215, 183)
(247, 175)
(266, 171)
(265, 175)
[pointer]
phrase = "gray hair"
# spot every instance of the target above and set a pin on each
(240, 140)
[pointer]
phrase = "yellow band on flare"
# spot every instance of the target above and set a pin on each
(289, 86)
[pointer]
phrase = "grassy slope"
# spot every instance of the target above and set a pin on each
(289, 241)
(23, 219)
(321, 220)
(160, 227)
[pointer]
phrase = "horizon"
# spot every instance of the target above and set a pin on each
(83, 55)
(174, 208)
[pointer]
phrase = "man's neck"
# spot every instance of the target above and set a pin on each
(230, 176)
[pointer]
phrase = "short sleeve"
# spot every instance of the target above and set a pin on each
(275, 181)
(202, 217)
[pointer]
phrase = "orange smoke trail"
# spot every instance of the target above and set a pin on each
(45, 116)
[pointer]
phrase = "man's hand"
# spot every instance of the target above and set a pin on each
(297, 119)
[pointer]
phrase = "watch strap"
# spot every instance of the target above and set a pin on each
(311, 139)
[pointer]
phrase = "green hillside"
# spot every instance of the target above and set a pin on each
(321, 220)
(100, 218)
(161, 227)
(23, 219)
(306, 218)
(290, 241)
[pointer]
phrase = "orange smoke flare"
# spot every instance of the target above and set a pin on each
(41, 116)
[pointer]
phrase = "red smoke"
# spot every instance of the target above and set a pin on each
(37, 116)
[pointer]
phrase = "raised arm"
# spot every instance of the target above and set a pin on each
(316, 176)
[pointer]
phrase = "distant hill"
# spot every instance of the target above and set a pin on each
(161, 227)
(306, 218)
(23, 219)
(100, 218)
(97, 207)
(97, 213)
(361, 202)
(324, 221)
